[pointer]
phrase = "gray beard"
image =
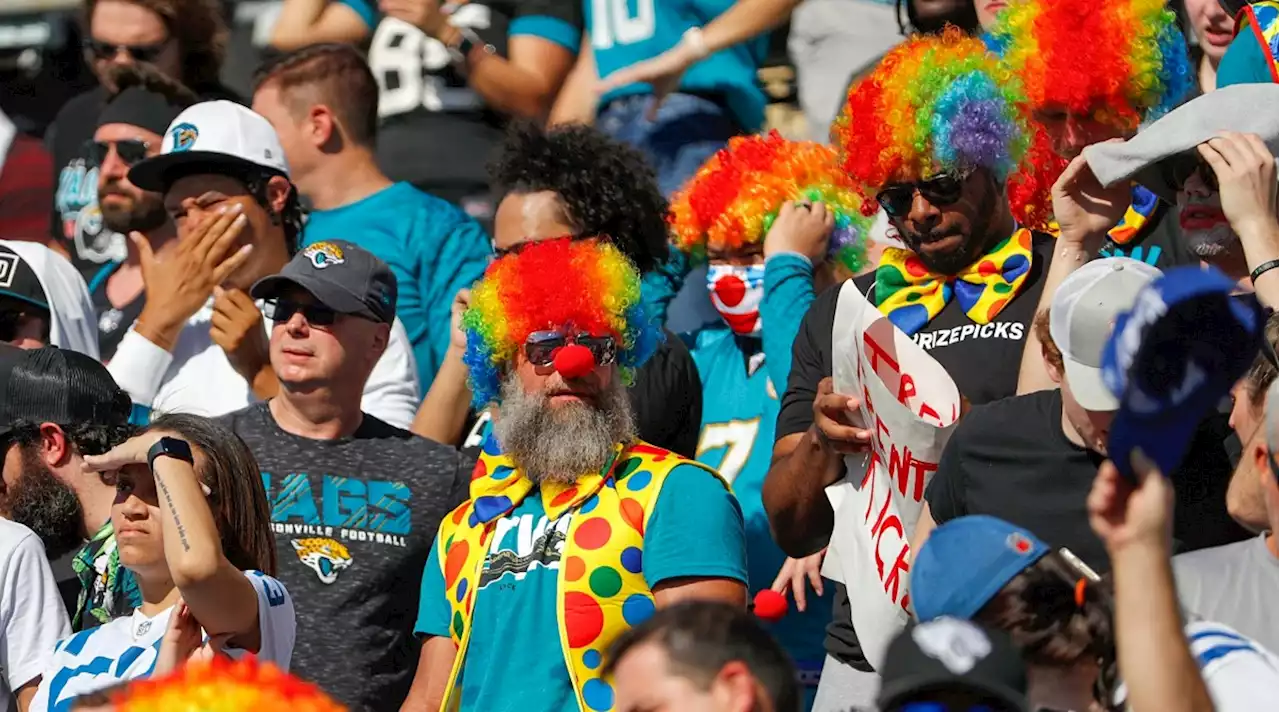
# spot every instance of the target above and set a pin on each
(1211, 243)
(561, 443)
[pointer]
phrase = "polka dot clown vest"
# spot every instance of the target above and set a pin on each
(600, 587)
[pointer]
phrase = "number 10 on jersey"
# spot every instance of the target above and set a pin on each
(612, 22)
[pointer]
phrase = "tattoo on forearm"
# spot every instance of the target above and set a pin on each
(168, 500)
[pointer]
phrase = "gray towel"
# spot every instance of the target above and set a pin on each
(1244, 108)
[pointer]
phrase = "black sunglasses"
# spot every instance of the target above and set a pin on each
(942, 189)
(140, 53)
(541, 347)
(1179, 168)
(130, 150)
(282, 310)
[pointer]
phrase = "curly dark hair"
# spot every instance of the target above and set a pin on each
(87, 438)
(145, 76)
(200, 29)
(606, 187)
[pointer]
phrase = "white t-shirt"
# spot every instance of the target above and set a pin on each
(126, 648)
(1241, 675)
(197, 377)
(32, 618)
(1237, 585)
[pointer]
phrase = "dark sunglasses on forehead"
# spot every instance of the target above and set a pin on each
(942, 189)
(130, 150)
(520, 246)
(541, 347)
(140, 53)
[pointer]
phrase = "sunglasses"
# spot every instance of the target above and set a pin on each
(1180, 168)
(140, 53)
(942, 189)
(282, 310)
(541, 347)
(130, 150)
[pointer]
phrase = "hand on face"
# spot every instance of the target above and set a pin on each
(801, 227)
(1246, 176)
(237, 328)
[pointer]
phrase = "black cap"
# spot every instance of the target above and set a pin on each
(19, 281)
(50, 385)
(951, 655)
(340, 275)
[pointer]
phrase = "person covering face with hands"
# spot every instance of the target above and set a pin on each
(201, 342)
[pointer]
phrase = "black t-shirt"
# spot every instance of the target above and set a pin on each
(982, 360)
(1160, 244)
(666, 400)
(354, 519)
(1010, 459)
(76, 217)
(113, 323)
(436, 132)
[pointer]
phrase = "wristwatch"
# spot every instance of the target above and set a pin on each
(169, 447)
(470, 40)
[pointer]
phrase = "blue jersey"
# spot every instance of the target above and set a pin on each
(739, 411)
(433, 248)
(624, 32)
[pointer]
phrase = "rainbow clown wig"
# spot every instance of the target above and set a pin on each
(548, 285)
(935, 103)
(223, 685)
(1121, 61)
(734, 198)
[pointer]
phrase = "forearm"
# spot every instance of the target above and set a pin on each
(746, 19)
(192, 546)
(435, 662)
(139, 367)
(295, 21)
(1152, 651)
(795, 497)
(1067, 258)
(788, 292)
(443, 413)
(507, 87)
(577, 101)
(1261, 241)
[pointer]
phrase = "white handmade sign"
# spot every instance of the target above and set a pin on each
(911, 406)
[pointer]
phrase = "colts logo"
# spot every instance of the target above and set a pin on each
(324, 556)
(184, 137)
(324, 254)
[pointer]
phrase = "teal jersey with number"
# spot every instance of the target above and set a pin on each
(739, 412)
(624, 32)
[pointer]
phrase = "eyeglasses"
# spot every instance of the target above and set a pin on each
(130, 150)
(942, 189)
(282, 310)
(541, 347)
(140, 53)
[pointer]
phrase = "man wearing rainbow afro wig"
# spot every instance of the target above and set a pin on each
(574, 530)
(931, 134)
(1093, 71)
(775, 220)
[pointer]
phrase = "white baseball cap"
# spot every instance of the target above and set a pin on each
(219, 135)
(1082, 316)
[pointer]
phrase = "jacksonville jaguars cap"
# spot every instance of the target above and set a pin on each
(217, 136)
(1173, 358)
(930, 661)
(19, 281)
(966, 561)
(340, 275)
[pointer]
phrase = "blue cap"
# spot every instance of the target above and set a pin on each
(965, 562)
(1172, 358)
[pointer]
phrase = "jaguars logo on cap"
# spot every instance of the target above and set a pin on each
(184, 137)
(324, 254)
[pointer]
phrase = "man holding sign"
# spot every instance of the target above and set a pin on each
(963, 292)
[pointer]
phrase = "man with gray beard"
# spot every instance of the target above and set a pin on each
(574, 531)
(56, 406)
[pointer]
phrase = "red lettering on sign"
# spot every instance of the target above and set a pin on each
(923, 470)
(906, 389)
(877, 353)
(892, 582)
(925, 410)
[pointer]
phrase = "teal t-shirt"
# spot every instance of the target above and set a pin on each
(1244, 62)
(514, 661)
(433, 248)
(624, 32)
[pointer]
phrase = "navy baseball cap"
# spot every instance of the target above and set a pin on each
(340, 275)
(965, 562)
(1173, 358)
(19, 281)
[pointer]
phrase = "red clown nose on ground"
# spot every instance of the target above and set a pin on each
(730, 290)
(574, 361)
(769, 605)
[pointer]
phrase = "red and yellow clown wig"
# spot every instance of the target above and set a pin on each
(549, 285)
(224, 685)
(1120, 61)
(735, 196)
(935, 103)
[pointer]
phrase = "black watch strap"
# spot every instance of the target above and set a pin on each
(170, 447)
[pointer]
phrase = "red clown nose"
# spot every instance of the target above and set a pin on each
(769, 605)
(574, 361)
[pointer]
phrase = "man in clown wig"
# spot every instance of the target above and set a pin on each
(574, 530)
(931, 134)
